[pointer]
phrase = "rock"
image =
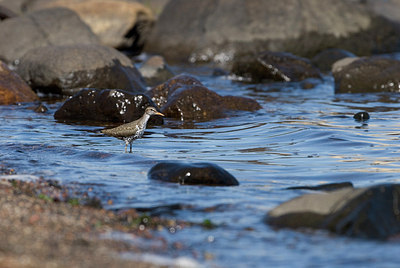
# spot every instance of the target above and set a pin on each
(216, 30)
(323, 187)
(326, 58)
(15, 6)
(361, 116)
(370, 212)
(155, 71)
(337, 66)
(192, 174)
(368, 74)
(107, 105)
(12, 88)
(65, 69)
(118, 23)
(276, 66)
(6, 13)
(183, 97)
(55, 26)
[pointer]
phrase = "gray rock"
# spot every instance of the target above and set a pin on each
(58, 26)
(367, 74)
(216, 30)
(192, 174)
(63, 69)
(107, 105)
(155, 71)
(371, 212)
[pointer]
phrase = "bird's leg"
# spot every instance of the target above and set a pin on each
(130, 147)
(126, 147)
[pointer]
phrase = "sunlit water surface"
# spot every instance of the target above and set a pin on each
(300, 137)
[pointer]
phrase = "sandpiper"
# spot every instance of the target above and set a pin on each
(133, 130)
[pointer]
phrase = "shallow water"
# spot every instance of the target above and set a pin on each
(300, 137)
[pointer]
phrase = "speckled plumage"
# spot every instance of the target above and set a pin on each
(133, 130)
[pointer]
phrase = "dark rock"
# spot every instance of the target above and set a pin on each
(161, 93)
(41, 108)
(361, 116)
(326, 58)
(155, 71)
(216, 30)
(55, 26)
(12, 88)
(369, 74)
(370, 212)
(276, 66)
(323, 187)
(119, 24)
(185, 98)
(192, 174)
(107, 105)
(63, 69)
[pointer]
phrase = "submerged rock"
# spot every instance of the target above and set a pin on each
(118, 23)
(185, 98)
(368, 74)
(323, 187)
(370, 212)
(64, 69)
(276, 66)
(216, 30)
(107, 105)
(13, 88)
(192, 174)
(155, 71)
(54, 26)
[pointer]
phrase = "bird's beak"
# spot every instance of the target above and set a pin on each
(158, 113)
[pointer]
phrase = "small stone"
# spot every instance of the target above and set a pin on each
(361, 116)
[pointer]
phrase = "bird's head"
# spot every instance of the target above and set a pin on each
(152, 111)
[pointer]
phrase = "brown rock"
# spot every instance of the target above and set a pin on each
(276, 66)
(12, 88)
(118, 23)
(368, 74)
(184, 97)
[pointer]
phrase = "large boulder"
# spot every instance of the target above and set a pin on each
(367, 74)
(118, 23)
(55, 26)
(107, 105)
(215, 30)
(275, 66)
(371, 212)
(12, 88)
(65, 69)
(192, 174)
(185, 98)
(155, 71)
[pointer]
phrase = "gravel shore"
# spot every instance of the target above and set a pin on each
(41, 226)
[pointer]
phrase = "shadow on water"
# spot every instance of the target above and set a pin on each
(300, 137)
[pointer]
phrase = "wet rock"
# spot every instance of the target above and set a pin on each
(216, 30)
(326, 58)
(55, 26)
(192, 174)
(276, 66)
(118, 23)
(41, 108)
(62, 69)
(368, 74)
(370, 212)
(13, 88)
(361, 116)
(184, 97)
(323, 187)
(107, 105)
(155, 71)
